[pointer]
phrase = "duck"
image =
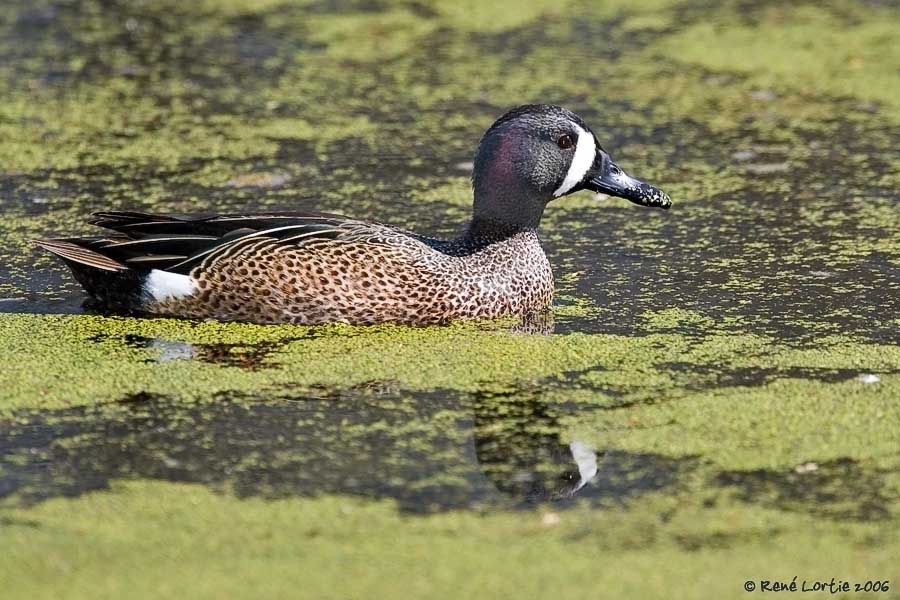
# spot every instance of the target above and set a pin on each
(314, 268)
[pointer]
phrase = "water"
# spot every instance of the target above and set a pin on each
(759, 308)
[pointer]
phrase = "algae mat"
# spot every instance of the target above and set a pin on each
(714, 402)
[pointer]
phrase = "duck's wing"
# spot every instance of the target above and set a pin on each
(136, 224)
(179, 243)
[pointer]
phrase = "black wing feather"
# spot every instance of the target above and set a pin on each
(216, 225)
(178, 243)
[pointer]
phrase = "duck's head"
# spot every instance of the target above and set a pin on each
(539, 152)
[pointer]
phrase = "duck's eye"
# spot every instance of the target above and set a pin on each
(565, 141)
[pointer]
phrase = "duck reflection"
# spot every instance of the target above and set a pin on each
(519, 449)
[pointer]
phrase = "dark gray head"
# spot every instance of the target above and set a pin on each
(538, 152)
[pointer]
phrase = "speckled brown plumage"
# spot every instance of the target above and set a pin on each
(369, 274)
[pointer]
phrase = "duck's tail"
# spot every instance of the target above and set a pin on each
(104, 278)
(81, 254)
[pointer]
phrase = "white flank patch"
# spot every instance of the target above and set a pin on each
(586, 459)
(163, 285)
(585, 151)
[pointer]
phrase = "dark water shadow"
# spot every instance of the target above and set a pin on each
(250, 356)
(841, 489)
(429, 452)
(437, 451)
(712, 376)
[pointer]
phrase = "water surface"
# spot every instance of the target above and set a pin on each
(718, 381)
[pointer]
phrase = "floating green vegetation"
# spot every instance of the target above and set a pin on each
(802, 49)
(784, 423)
(472, 15)
(146, 539)
(369, 36)
(693, 390)
(186, 96)
(713, 325)
(453, 195)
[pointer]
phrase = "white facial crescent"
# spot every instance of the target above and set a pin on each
(585, 151)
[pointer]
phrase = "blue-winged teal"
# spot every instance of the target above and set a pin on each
(319, 268)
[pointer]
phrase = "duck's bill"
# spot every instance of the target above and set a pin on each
(609, 179)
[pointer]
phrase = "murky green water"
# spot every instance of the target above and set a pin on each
(718, 398)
